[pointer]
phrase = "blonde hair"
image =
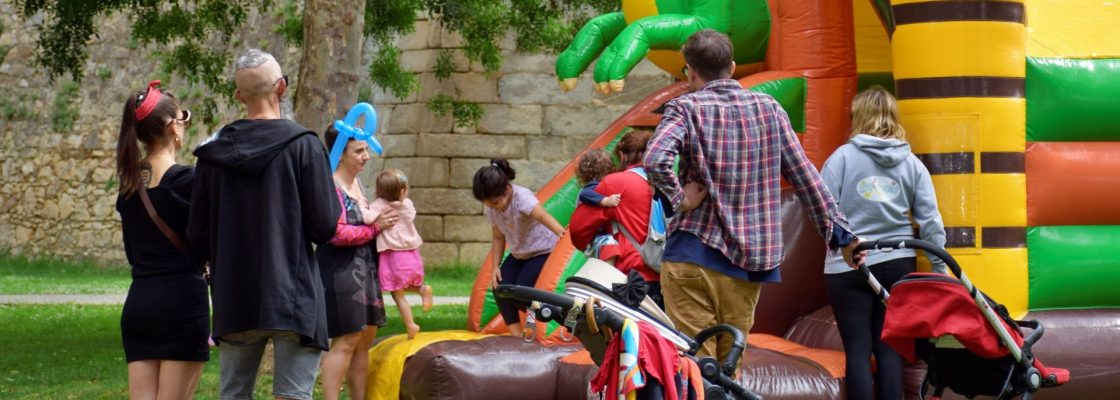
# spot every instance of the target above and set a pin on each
(390, 183)
(875, 113)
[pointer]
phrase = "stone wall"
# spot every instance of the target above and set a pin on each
(58, 187)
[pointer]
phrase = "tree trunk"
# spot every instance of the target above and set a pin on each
(331, 63)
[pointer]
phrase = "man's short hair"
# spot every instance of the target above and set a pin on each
(253, 58)
(250, 59)
(709, 54)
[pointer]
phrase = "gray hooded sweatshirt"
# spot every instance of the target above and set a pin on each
(880, 186)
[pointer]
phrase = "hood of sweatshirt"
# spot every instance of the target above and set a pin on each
(249, 145)
(885, 152)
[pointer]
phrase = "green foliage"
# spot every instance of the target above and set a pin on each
(177, 29)
(445, 64)
(3, 49)
(18, 106)
(385, 71)
(63, 110)
(176, 32)
(104, 73)
(465, 113)
(537, 25)
(292, 25)
(386, 19)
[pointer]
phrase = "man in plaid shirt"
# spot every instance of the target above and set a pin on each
(735, 143)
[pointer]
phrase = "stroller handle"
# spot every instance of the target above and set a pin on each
(710, 371)
(891, 244)
(738, 343)
(523, 294)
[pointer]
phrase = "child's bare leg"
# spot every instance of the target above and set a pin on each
(426, 297)
(406, 313)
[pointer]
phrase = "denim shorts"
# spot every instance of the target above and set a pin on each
(295, 367)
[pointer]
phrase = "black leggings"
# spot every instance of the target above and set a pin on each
(518, 272)
(859, 315)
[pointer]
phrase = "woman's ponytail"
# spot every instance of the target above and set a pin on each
(128, 151)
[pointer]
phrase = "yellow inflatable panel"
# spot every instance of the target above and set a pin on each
(982, 199)
(873, 48)
(1003, 200)
(957, 199)
(633, 10)
(940, 132)
(1073, 28)
(386, 359)
(978, 48)
(965, 124)
(1000, 273)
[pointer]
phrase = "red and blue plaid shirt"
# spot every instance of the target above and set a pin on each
(736, 142)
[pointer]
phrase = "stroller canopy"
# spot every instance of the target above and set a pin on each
(933, 305)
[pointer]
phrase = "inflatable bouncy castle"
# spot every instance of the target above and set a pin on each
(1006, 102)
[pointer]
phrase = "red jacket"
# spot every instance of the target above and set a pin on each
(632, 213)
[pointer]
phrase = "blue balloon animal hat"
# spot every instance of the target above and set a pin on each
(347, 130)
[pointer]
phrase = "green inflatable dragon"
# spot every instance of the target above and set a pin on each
(660, 28)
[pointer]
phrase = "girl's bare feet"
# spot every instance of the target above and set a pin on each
(413, 329)
(426, 297)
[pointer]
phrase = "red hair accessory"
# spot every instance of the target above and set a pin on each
(149, 101)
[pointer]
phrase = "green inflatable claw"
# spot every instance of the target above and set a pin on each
(620, 40)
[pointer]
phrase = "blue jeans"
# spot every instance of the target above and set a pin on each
(518, 272)
(294, 366)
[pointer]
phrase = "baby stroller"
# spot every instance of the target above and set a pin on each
(588, 309)
(969, 342)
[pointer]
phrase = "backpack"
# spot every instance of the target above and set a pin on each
(656, 236)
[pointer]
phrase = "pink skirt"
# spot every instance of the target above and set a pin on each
(400, 269)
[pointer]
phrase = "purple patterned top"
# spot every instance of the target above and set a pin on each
(525, 236)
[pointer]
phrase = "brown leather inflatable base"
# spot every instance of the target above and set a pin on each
(1087, 343)
(774, 375)
(500, 367)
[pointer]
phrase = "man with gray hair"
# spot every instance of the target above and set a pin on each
(263, 194)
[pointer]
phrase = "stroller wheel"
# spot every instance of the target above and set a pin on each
(1032, 379)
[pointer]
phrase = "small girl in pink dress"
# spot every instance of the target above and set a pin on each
(400, 268)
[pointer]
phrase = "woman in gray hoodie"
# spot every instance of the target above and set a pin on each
(881, 187)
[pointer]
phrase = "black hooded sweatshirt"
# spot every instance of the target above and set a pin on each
(263, 193)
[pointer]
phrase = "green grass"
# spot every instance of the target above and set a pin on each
(20, 275)
(453, 280)
(74, 351)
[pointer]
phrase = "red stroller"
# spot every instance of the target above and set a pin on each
(969, 342)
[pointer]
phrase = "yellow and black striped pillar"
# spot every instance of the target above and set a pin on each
(959, 69)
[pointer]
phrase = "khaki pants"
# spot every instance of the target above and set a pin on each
(698, 298)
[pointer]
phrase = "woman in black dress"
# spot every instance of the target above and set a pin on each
(165, 321)
(348, 265)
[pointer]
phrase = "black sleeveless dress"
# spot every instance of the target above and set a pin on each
(349, 275)
(166, 315)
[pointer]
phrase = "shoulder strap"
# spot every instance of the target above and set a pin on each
(170, 234)
(640, 171)
(626, 233)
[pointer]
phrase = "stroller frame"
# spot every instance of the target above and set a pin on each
(1024, 378)
(547, 306)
